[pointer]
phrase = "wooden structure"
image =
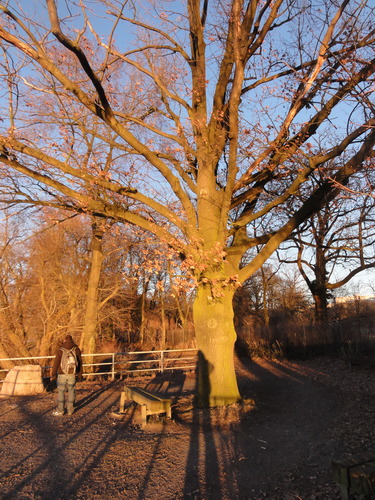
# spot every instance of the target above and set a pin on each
(150, 404)
(356, 476)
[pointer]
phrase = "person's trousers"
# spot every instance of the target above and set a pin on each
(66, 382)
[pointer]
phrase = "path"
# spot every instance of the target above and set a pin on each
(306, 414)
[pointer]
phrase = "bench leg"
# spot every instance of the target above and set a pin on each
(122, 402)
(169, 412)
(144, 415)
(345, 493)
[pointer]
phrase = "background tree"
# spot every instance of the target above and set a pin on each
(58, 275)
(257, 293)
(88, 341)
(333, 246)
(13, 289)
(228, 100)
(48, 270)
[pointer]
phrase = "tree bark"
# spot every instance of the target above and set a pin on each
(142, 328)
(320, 301)
(88, 338)
(163, 325)
(319, 286)
(215, 335)
(5, 354)
(266, 315)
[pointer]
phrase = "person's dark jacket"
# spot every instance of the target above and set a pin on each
(68, 343)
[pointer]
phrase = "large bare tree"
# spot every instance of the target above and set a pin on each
(334, 246)
(211, 110)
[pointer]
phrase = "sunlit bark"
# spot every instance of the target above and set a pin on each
(89, 333)
(215, 333)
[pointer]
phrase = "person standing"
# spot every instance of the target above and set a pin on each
(67, 368)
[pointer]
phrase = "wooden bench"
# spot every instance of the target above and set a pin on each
(150, 403)
(356, 476)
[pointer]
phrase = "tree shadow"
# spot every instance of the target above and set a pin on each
(207, 473)
(221, 458)
(60, 472)
(290, 425)
(167, 383)
(250, 457)
(86, 400)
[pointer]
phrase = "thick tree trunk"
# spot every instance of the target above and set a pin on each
(88, 339)
(142, 328)
(266, 315)
(319, 287)
(321, 303)
(215, 334)
(163, 336)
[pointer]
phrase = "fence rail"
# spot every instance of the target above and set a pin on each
(122, 363)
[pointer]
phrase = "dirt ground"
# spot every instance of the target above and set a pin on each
(278, 444)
